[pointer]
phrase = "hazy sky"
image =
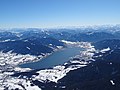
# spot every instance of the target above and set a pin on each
(53, 13)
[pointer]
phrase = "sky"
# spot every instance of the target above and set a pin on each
(56, 13)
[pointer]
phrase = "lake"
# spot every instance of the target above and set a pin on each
(58, 57)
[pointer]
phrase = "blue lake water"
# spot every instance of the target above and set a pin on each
(58, 57)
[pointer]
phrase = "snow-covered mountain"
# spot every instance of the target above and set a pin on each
(95, 68)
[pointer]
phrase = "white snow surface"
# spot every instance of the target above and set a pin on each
(13, 83)
(105, 50)
(54, 74)
(112, 82)
(8, 65)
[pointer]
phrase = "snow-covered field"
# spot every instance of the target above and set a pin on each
(9, 65)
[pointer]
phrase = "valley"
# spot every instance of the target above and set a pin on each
(63, 59)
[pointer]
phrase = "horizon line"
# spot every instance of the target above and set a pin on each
(61, 27)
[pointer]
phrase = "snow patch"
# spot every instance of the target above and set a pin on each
(112, 82)
(105, 50)
(28, 48)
